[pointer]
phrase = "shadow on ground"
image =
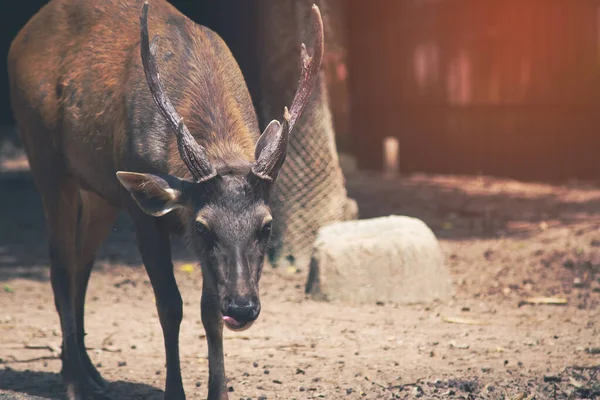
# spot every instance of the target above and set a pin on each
(24, 240)
(35, 385)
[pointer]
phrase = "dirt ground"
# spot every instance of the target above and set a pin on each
(505, 241)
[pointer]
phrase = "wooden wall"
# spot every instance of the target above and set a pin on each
(502, 87)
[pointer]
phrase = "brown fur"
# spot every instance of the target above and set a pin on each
(80, 78)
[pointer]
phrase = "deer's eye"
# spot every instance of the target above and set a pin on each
(202, 229)
(266, 229)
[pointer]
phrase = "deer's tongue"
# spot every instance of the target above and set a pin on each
(231, 322)
(234, 324)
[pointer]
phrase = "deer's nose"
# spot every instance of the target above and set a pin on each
(244, 309)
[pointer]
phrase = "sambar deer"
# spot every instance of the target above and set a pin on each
(90, 104)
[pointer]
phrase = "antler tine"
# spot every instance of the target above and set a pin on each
(192, 154)
(310, 72)
(272, 154)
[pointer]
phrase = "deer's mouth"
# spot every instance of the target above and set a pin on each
(235, 325)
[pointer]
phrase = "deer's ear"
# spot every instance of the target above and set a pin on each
(270, 151)
(156, 195)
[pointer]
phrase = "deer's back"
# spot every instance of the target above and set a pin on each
(76, 75)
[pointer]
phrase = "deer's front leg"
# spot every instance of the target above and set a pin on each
(155, 248)
(213, 325)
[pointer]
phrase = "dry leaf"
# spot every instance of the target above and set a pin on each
(463, 321)
(189, 268)
(546, 300)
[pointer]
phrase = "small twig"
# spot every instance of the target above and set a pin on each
(393, 387)
(281, 347)
(56, 350)
(32, 347)
(52, 348)
(404, 385)
(14, 360)
(107, 339)
(105, 348)
(375, 383)
(557, 301)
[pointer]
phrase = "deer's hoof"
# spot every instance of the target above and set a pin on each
(88, 388)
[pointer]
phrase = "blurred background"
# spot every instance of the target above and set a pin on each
(504, 88)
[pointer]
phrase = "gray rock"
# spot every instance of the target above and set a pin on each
(390, 259)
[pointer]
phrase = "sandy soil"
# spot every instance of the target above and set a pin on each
(505, 241)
